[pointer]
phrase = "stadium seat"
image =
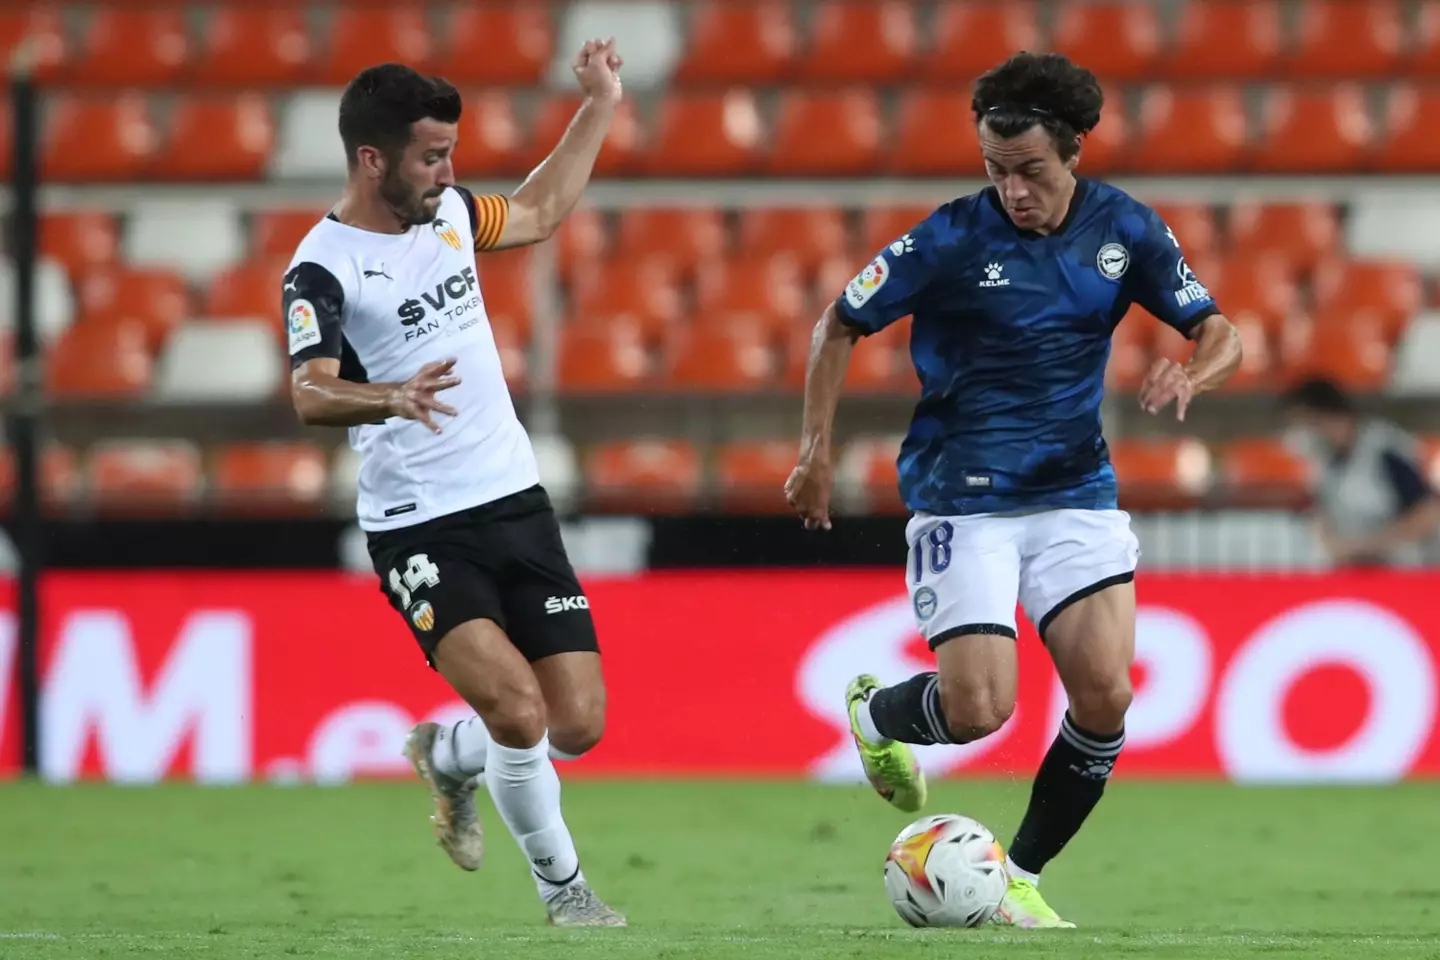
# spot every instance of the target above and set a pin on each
(1258, 357)
(643, 476)
(54, 300)
(490, 141)
(703, 134)
(750, 476)
(79, 241)
(1114, 39)
(249, 291)
(1309, 131)
(1424, 58)
(309, 142)
(510, 342)
(604, 355)
(827, 133)
(217, 138)
(46, 28)
(507, 284)
(1395, 224)
(1130, 345)
(971, 36)
(59, 476)
(1415, 372)
(936, 136)
(98, 138)
(867, 478)
(247, 47)
(650, 32)
(1391, 290)
(1161, 473)
(274, 477)
(157, 299)
(559, 469)
(646, 288)
(811, 235)
(622, 152)
(1412, 116)
(130, 47)
(1104, 150)
(884, 29)
(879, 364)
(1261, 472)
(738, 41)
(1303, 233)
(772, 286)
(1225, 40)
(237, 361)
(363, 35)
(881, 226)
(687, 236)
(583, 237)
(1193, 224)
(508, 43)
(722, 358)
(101, 361)
(1262, 284)
(198, 238)
(276, 233)
(1347, 39)
(831, 277)
(1189, 131)
(1352, 352)
(144, 477)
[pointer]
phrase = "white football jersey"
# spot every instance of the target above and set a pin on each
(385, 305)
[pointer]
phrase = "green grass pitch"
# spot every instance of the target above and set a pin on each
(763, 871)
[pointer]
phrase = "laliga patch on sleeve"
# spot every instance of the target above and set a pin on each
(867, 283)
(303, 326)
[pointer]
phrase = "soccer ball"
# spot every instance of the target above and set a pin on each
(945, 871)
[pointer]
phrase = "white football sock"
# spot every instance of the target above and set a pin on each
(868, 730)
(460, 750)
(526, 790)
(1020, 873)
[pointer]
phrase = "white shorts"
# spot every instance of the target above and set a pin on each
(965, 574)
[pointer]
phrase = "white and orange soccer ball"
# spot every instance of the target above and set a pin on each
(945, 871)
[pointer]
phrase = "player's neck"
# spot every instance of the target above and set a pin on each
(364, 210)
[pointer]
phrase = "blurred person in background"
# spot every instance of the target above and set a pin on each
(1374, 506)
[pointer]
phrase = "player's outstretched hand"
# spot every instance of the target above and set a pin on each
(597, 67)
(1166, 381)
(808, 492)
(415, 398)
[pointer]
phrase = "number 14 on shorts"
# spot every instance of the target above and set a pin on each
(419, 572)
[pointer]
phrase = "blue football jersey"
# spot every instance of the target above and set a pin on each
(1010, 337)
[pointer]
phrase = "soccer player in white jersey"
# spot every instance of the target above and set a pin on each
(388, 336)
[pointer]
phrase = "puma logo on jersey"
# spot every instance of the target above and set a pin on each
(379, 273)
(453, 297)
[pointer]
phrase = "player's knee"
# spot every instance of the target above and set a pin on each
(518, 720)
(577, 725)
(1101, 706)
(974, 715)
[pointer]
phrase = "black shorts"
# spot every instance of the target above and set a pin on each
(502, 561)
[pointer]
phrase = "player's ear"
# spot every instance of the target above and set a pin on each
(371, 161)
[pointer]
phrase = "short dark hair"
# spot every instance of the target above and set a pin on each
(1319, 395)
(381, 104)
(1040, 88)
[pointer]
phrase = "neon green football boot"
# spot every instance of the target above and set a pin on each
(891, 768)
(1024, 907)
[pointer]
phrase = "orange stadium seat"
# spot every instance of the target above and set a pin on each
(687, 236)
(830, 280)
(1263, 284)
(1130, 350)
(109, 361)
(157, 299)
(250, 47)
(1193, 225)
(59, 476)
(874, 460)
(80, 241)
(772, 286)
(1258, 357)
(1189, 131)
(604, 355)
(1354, 354)
(276, 233)
(510, 344)
(1301, 232)
(707, 134)
(144, 476)
(1311, 131)
(217, 138)
(499, 43)
(647, 289)
(811, 235)
(269, 477)
(878, 363)
(735, 41)
(1261, 472)
(363, 35)
(1390, 291)
(881, 226)
(751, 475)
(1114, 39)
(715, 357)
(249, 290)
(884, 29)
(1347, 38)
(490, 140)
(623, 148)
(1161, 473)
(1412, 116)
(582, 238)
(507, 284)
(98, 138)
(644, 476)
(1104, 149)
(936, 136)
(971, 36)
(830, 133)
(1225, 40)
(134, 48)
(1424, 59)
(46, 28)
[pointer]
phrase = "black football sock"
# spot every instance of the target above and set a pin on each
(910, 711)
(1070, 782)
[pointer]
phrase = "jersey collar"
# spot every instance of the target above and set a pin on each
(1082, 189)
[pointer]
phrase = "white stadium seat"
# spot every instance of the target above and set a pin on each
(308, 143)
(234, 361)
(54, 302)
(197, 238)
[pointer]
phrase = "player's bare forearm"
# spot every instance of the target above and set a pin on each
(1415, 524)
(324, 400)
(551, 191)
(830, 348)
(1217, 354)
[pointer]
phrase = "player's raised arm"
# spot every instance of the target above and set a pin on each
(536, 210)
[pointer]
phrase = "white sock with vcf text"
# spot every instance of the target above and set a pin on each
(526, 790)
(460, 749)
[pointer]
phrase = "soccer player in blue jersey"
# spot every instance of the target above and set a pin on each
(1014, 293)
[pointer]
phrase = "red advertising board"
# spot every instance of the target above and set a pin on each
(223, 677)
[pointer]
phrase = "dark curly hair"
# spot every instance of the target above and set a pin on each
(382, 102)
(1040, 88)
